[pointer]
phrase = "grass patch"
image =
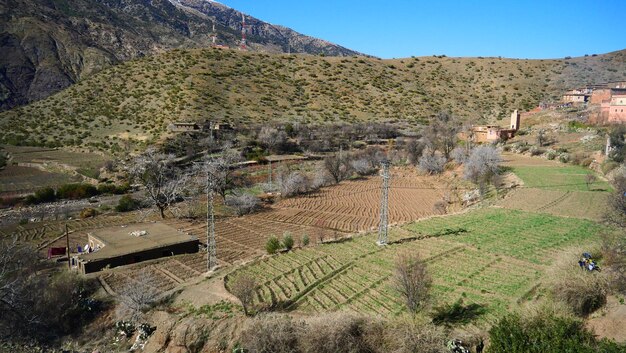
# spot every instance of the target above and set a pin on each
(565, 178)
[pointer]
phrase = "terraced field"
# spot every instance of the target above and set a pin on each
(492, 257)
(559, 177)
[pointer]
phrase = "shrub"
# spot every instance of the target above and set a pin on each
(88, 213)
(544, 332)
(339, 332)
(127, 204)
(243, 286)
(551, 154)
(608, 166)
(412, 280)
(288, 241)
(42, 195)
(305, 240)
(459, 155)
(564, 157)
(272, 245)
(76, 191)
(271, 333)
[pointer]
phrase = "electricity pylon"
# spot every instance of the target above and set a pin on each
(384, 205)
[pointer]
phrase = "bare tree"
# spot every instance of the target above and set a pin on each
(337, 168)
(431, 162)
(414, 149)
(163, 180)
(361, 166)
(459, 155)
(272, 138)
(294, 183)
(243, 204)
(541, 137)
(137, 296)
(590, 179)
(441, 134)
(243, 286)
(221, 170)
(412, 280)
(616, 213)
(482, 166)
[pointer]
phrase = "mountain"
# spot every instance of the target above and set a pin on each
(47, 45)
(139, 98)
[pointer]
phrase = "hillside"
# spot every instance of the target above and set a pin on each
(47, 45)
(139, 98)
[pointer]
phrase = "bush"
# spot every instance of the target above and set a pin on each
(544, 332)
(288, 241)
(564, 157)
(42, 195)
(113, 189)
(551, 154)
(271, 333)
(305, 240)
(338, 332)
(459, 155)
(88, 213)
(76, 191)
(272, 245)
(127, 204)
(608, 166)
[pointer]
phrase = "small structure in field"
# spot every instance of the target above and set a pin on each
(119, 246)
(493, 133)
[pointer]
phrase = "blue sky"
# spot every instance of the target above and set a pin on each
(509, 28)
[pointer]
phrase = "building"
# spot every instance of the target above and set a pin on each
(119, 246)
(183, 127)
(616, 109)
(494, 133)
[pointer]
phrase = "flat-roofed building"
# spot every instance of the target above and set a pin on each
(124, 245)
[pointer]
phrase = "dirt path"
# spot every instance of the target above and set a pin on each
(207, 291)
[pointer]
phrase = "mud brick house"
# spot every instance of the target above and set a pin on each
(119, 246)
(494, 133)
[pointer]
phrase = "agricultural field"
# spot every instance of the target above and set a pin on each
(354, 206)
(563, 177)
(578, 204)
(17, 181)
(471, 256)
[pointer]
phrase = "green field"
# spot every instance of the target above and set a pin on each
(491, 257)
(564, 178)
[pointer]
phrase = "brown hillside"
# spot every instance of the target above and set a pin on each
(138, 99)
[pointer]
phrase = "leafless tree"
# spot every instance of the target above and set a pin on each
(412, 280)
(441, 134)
(361, 166)
(272, 138)
(293, 183)
(243, 286)
(337, 168)
(616, 213)
(431, 162)
(221, 170)
(590, 179)
(482, 166)
(164, 182)
(541, 137)
(243, 204)
(137, 296)
(460, 155)
(414, 149)
(18, 264)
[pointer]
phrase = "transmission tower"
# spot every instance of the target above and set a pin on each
(211, 256)
(384, 205)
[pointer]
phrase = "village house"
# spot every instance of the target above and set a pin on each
(494, 133)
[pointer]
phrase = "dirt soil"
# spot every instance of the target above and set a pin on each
(611, 321)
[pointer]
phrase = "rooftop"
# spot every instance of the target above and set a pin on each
(118, 240)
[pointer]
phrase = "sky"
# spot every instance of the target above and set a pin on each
(533, 29)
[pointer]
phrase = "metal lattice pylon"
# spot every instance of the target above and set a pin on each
(384, 205)
(211, 256)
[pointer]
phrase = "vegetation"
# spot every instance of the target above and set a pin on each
(412, 280)
(130, 105)
(566, 178)
(273, 245)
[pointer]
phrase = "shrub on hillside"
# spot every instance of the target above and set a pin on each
(459, 155)
(608, 166)
(88, 213)
(46, 194)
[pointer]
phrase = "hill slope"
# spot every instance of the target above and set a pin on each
(47, 45)
(138, 99)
